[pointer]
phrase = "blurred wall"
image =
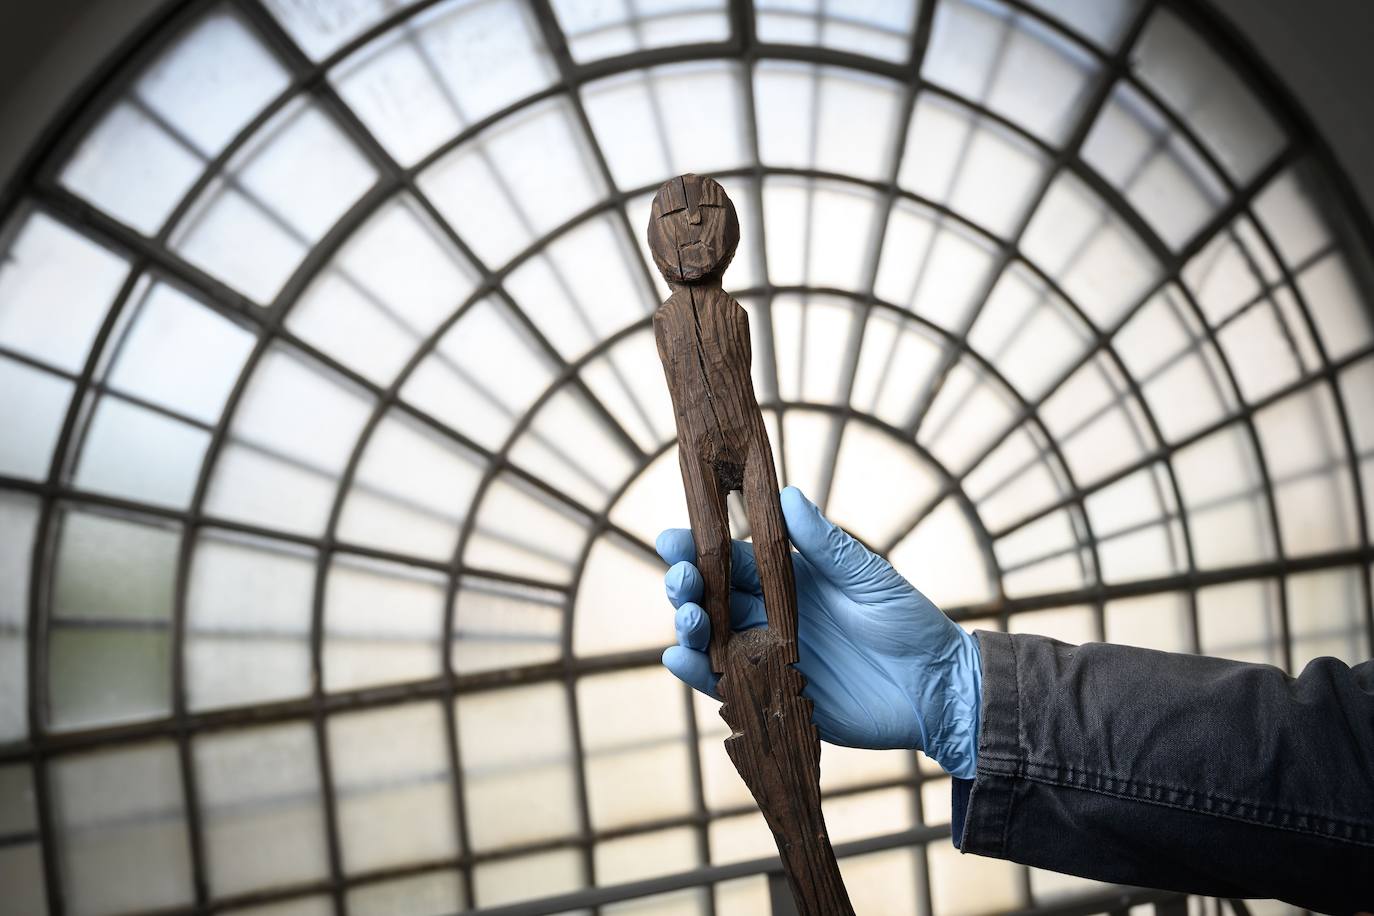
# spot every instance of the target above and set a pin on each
(1321, 49)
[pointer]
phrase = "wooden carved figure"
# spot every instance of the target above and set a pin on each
(703, 341)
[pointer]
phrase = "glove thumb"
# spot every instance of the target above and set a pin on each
(843, 561)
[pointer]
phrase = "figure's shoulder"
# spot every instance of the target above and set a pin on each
(703, 304)
(676, 307)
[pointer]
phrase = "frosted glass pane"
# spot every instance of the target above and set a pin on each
(393, 779)
(1159, 172)
(1014, 65)
(144, 155)
(883, 882)
(1260, 351)
(181, 355)
(524, 176)
(1326, 614)
(944, 559)
(1227, 512)
(880, 483)
(819, 233)
(1303, 445)
(1209, 95)
(18, 520)
(387, 289)
(308, 906)
(381, 623)
(523, 532)
(31, 414)
(109, 652)
(591, 470)
(483, 375)
(287, 187)
(321, 29)
(655, 500)
(528, 878)
(411, 490)
(587, 285)
(827, 118)
(449, 67)
(637, 761)
(252, 486)
(743, 896)
(1073, 625)
(876, 28)
(434, 894)
(1028, 333)
(1332, 293)
(1099, 262)
(121, 832)
(600, 624)
(99, 676)
(963, 885)
(971, 412)
(248, 621)
(981, 170)
(1016, 479)
(55, 288)
(213, 80)
(497, 625)
(1104, 21)
(648, 855)
(700, 108)
(131, 451)
(130, 167)
(934, 267)
(110, 569)
(1227, 274)
(596, 30)
(295, 408)
(21, 874)
(1152, 622)
(1189, 395)
(1041, 557)
(806, 433)
(810, 334)
(644, 410)
(896, 361)
(518, 778)
(261, 816)
(1241, 621)
(1290, 207)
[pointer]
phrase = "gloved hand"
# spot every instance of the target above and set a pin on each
(884, 667)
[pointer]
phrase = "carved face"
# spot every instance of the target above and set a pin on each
(693, 229)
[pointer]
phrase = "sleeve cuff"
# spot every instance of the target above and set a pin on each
(982, 822)
(959, 790)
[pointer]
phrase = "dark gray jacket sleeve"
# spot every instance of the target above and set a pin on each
(1176, 771)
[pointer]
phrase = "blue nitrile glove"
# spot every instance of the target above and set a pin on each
(884, 666)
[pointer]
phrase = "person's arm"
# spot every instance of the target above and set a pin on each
(1176, 771)
(1109, 762)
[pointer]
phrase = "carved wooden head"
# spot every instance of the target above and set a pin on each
(693, 229)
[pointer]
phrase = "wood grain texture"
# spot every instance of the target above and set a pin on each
(703, 342)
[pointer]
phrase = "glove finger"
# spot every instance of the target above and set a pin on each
(683, 583)
(675, 545)
(746, 611)
(843, 561)
(692, 668)
(693, 627)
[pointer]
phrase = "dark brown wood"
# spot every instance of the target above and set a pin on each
(703, 341)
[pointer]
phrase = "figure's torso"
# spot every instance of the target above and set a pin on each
(703, 337)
